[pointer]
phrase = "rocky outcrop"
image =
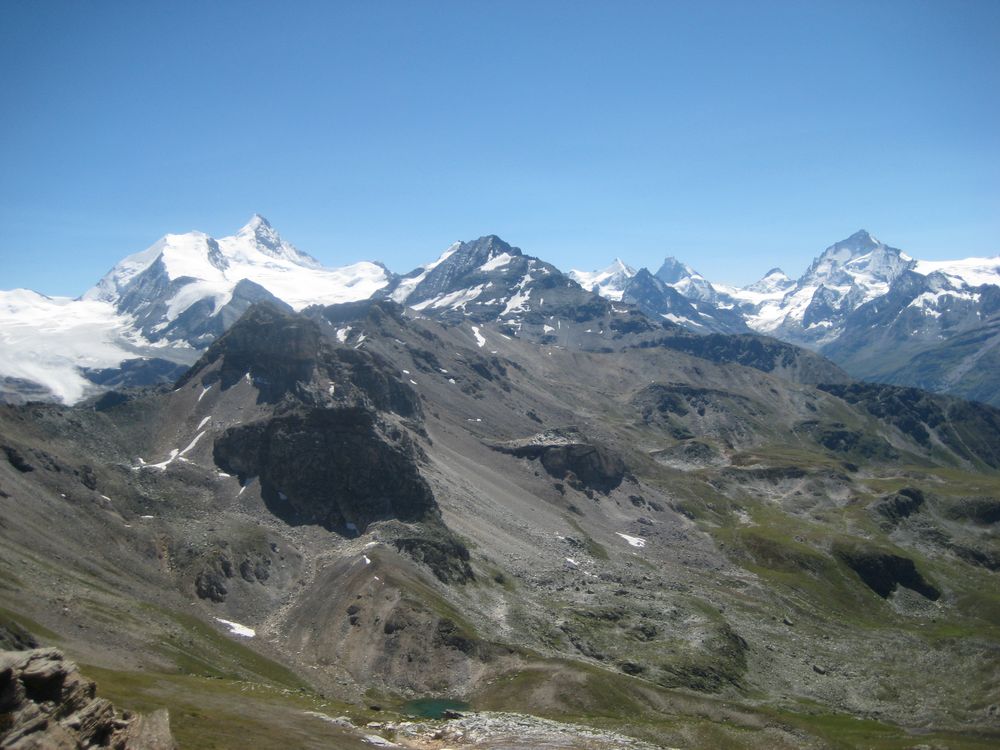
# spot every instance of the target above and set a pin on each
(338, 468)
(288, 355)
(565, 454)
(883, 571)
(899, 505)
(46, 704)
(759, 352)
(447, 557)
(965, 428)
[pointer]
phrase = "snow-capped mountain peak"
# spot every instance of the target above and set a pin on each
(672, 271)
(263, 237)
(774, 280)
(687, 281)
(861, 255)
(608, 282)
(176, 288)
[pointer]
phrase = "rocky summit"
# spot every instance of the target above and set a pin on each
(480, 505)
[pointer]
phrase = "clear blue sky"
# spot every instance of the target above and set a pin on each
(734, 135)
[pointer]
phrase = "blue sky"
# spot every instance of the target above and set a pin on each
(734, 135)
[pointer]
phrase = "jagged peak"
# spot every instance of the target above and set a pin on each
(620, 266)
(492, 243)
(260, 231)
(862, 236)
(256, 221)
(672, 271)
(261, 228)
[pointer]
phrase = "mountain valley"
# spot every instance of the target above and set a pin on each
(592, 511)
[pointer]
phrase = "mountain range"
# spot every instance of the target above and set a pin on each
(479, 505)
(869, 307)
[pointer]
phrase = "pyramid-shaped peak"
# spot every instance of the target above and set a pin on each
(494, 242)
(859, 243)
(863, 236)
(257, 225)
(674, 270)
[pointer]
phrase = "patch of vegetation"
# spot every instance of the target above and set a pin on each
(593, 548)
(199, 649)
(224, 714)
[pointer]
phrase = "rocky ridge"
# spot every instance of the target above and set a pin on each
(46, 704)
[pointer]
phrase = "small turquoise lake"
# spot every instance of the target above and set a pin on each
(432, 708)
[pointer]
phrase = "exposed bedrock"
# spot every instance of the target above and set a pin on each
(883, 571)
(46, 704)
(338, 468)
(567, 454)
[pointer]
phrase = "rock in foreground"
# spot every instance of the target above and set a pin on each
(46, 704)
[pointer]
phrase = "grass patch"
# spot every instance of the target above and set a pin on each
(220, 714)
(202, 650)
(593, 548)
(36, 629)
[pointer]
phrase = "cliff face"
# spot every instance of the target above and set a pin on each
(46, 704)
(338, 468)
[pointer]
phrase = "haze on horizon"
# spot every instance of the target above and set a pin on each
(734, 137)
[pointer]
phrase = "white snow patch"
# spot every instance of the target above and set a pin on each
(406, 286)
(46, 339)
(972, 271)
(519, 299)
(236, 629)
(480, 340)
(163, 464)
(202, 394)
(203, 422)
(452, 300)
(498, 262)
(635, 541)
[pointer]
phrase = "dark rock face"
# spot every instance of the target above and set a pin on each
(968, 429)
(683, 411)
(594, 466)
(900, 505)
(277, 350)
(980, 510)
(883, 571)
(133, 373)
(567, 455)
(288, 355)
(655, 298)
(17, 459)
(759, 352)
(46, 704)
(210, 584)
(15, 638)
(334, 467)
(447, 558)
(837, 437)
